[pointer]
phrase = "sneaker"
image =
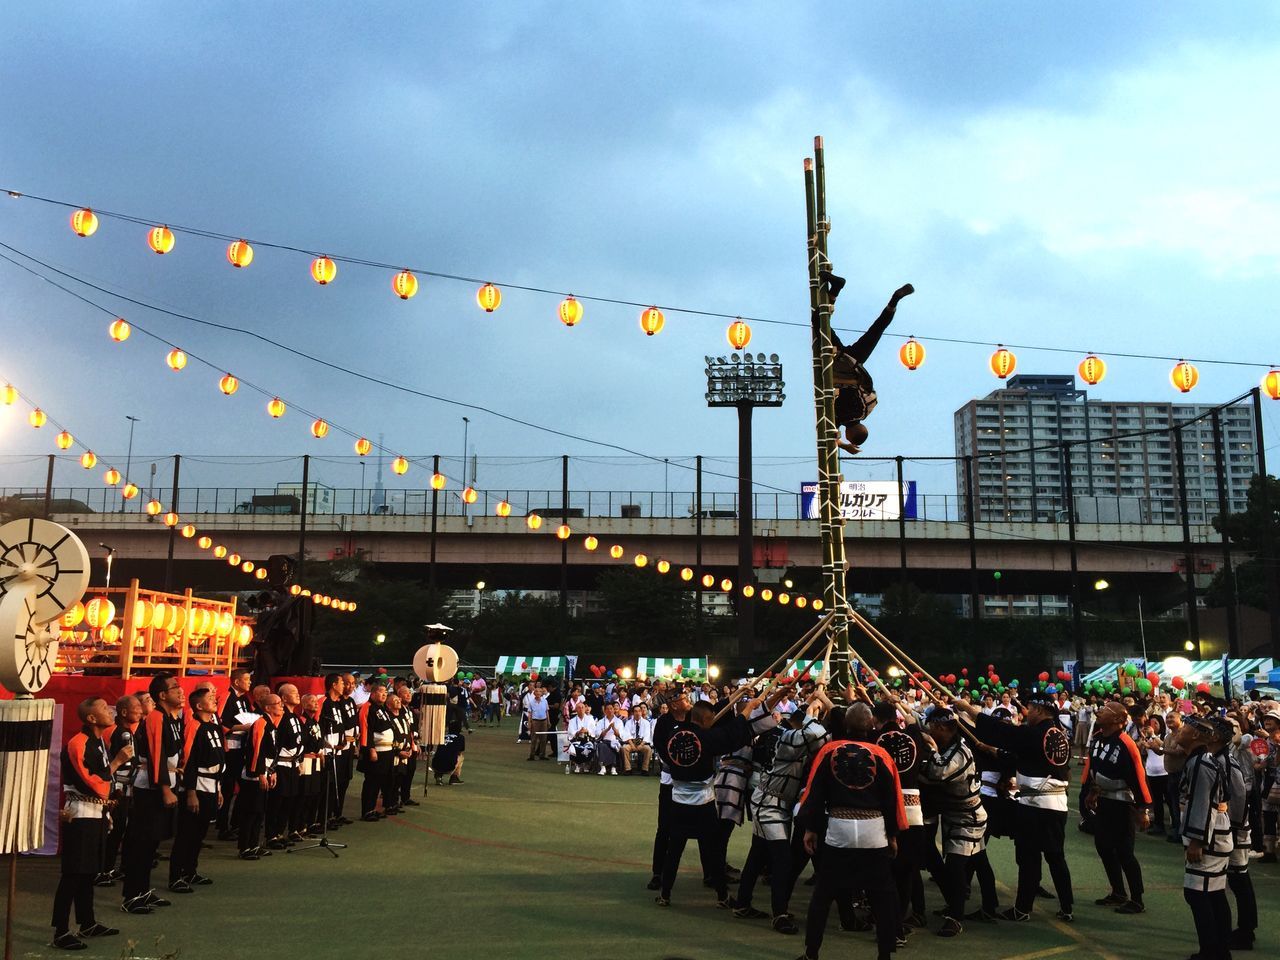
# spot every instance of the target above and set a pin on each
(104, 880)
(68, 941)
(1066, 916)
(1015, 915)
(655, 883)
(251, 854)
(155, 900)
(137, 904)
(440, 779)
(97, 930)
(277, 844)
(901, 939)
(1112, 900)
(613, 772)
(728, 903)
(370, 818)
(1131, 906)
(181, 886)
(1044, 894)
(785, 923)
(415, 803)
(603, 771)
(950, 927)
(750, 913)
(982, 916)
(662, 901)
(454, 778)
(914, 920)
(199, 880)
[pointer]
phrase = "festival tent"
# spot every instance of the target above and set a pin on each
(1202, 671)
(799, 668)
(662, 668)
(523, 666)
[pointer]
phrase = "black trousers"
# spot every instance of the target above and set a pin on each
(343, 769)
(695, 823)
(251, 809)
(906, 866)
(115, 836)
(777, 855)
(980, 867)
(282, 801)
(958, 871)
(1172, 790)
(1040, 834)
(1241, 886)
(844, 873)
(1211, 914)
(184, 858)
(406, 780)
(82, 840)
(663, 833)
(1158, 787)
(142, 837)
(1113, 835)
(376, 774)
(233, 766)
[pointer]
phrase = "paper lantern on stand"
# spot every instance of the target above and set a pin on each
(98, 612)
(73, 616)
(435, 664)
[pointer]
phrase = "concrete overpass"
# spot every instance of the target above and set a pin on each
(1032, 557)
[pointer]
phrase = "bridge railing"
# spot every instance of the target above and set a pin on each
(766, 506)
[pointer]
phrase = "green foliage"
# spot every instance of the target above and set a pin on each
(1255, 530)
(642, 611)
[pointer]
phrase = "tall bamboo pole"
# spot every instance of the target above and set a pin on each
(824, 393)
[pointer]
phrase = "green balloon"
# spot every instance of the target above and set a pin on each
(1144, 685)
(962, 683)
(1130, 669)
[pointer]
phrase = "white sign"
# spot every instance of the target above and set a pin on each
(864, 500)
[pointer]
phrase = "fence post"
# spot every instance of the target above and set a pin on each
(1193, 613)
(1224, 509)
(173, 531)
(974, 612)
(1077, 621)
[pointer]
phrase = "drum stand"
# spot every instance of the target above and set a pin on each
(331, 789)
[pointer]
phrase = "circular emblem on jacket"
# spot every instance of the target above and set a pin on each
(900, 747)
(1057, 747)
(853, 766)
(684, 748)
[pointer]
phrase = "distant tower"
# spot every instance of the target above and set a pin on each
(379, 491)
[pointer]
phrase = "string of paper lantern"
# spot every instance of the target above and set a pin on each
(84, 222)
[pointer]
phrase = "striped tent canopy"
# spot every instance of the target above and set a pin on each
(800, 667)
(663, 668)
(1202, 671)
(523, 666)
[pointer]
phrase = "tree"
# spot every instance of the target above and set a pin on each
(642, 610)
(1255, 530)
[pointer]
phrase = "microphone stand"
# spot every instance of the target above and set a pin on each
(331, 789)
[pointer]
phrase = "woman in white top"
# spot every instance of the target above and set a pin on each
(1151, 740)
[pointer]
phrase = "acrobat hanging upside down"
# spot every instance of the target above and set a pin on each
(855, 393)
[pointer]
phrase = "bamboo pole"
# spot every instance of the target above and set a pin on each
(186, 634)
(130, 633)
(805, 641)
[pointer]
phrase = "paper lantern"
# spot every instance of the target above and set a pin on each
(247, 566)
(405, 284)
(352, 607)
(130, 491)
(911, 354)
(239, 253)
(708, 580)
(641, 560)
(171, 519)
(98, 612)
(323, 270)
(652, 321)
(220, 552)
(111, 477)
(233, 559)
(563, 532)
(73, 616)
(160, 239)
(802, 602)
(664, 566)
(64, 440)
(88, 459)
(489, 297)
(119, 330)
(37, 418)
(726, 584)
(154, 507)
(1092, 369)
(189, 531)
(143, 611)
(84, 222)
(198, 622)
(10, 394)
(306, 592)
(1003, 362)
(260, 573)
(738, 334)
(276, 407)
(204, 543)
(533, 521)
(295, 589)
(111, 634)
(1184, 376)
(244, 635)
(570, 312)
(228, 384)
(363, 446)
(818, 604)
(503, 509)
(399, 466)
(176, 359)
(469, 495)
(590, 543)
(784, 598)
(686, 574)
(748, 591)
(319, 429)
(616, 551)
(437, 481)
(226, 623)
(1271, 384)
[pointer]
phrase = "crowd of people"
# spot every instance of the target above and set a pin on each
(267, 769)
(906, 783)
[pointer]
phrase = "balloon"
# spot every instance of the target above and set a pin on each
(1013, 683)
(964, 671)
(962, 683)
(1202, 688)
(534, 675)
(1154, 678)
(990, 667)
(1178, 683)
(524, 664)
(995, 678)
(679, 668)
(1144, 685)
(926, 684)
(1130, 669)
(1051, 689)
(1044, 676)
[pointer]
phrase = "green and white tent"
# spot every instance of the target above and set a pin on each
(1202, 671)
(523, 666)
(662, 668)
(800, 667)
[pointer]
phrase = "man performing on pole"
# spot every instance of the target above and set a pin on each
(1042, 756)
(1114, 788)
(855, 392)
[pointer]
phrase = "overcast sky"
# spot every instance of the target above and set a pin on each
(1101, 176)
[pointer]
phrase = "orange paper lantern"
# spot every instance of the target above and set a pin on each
(652, 321)
(189, 531)
(154, 507)
(437, 481)
(228, 384)
(319, 429)
(563, 532)
(73, 616)
(400, 466)
(98, 612)
(1271, 384)
(405, 284)
(176, 359)
(738, 334)
(88, 459)
(1092, 369)
(533, 521)
(664, 566)
(489, 297)
(616, 551)
(37, 418)
(570, 311)
(10, 394)
(363, 446)
(276, 407)
(640, 560)
(1003, 362)
(160, 239)
(64, 440)
(239, 253)
(503, 509)
(119, 330)
(323, 270)
(111, 477)
(1184, 376)
(204, 543)
(84, 222)
(130, 491)
(591, 543)
(171, 519)
(686, 573)
(469, 495)
(911, 354)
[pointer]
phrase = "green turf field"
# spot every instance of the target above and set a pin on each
(524, 862)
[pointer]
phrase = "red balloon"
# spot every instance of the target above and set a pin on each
(1202, 688)
(524, 664)
(768, 674)
(926, 684)
(1154, 678)
(534, 675)
(1044, 676)
(1178, 683)
(995, 678)
(805, 675)
(990, 667)
(679, 668)
(964, 671)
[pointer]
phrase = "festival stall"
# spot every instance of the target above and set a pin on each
(663, 668)
(1192, 672)
(803, 669)
(528, 666)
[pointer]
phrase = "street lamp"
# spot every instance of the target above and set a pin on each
(128, 460)
(380, 639)
(1101, 585)
(745, 381)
